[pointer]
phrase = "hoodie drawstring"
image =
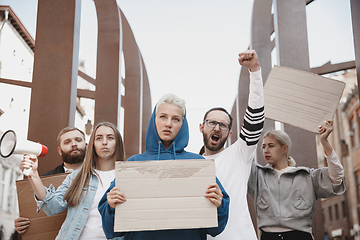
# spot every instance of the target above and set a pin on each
(173, 143)
(159, 143)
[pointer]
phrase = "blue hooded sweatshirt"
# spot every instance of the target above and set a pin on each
(155, 150)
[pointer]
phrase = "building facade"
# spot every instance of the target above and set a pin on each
(27, 84)
(16, 64)
(341, 213)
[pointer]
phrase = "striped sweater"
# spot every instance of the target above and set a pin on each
(233, 165)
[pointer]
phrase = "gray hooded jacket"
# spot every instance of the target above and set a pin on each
(289, 201)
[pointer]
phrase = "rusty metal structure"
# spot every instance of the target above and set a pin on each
(288, 24)
(54, 83)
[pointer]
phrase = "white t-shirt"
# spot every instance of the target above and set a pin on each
(233, 166)
(93, 226)
(233, 170)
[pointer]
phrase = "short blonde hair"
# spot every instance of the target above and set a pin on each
(171, 99)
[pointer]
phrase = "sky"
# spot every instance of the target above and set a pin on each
(190, 48)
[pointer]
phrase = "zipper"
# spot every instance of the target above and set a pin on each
(279, 195)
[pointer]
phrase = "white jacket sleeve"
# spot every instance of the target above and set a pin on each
(254, 115)
(335, 169)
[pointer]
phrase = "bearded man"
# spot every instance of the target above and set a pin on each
(233, 164)
(72, 148)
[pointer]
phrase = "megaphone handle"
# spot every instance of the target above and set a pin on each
(27, 171)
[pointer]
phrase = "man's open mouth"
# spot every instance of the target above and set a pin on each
(215, 137)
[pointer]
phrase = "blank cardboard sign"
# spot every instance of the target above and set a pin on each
(299, 98)
(41, 225)
(165, 195)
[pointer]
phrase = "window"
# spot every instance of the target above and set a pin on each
(330, 215)
(2, 235)
(11, 194)
(358, 127)
(336, 212)
(344, 210)
(358, 185)
(2, 185)
(352, 132)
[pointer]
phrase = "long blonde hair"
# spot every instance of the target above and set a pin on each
(73, 194)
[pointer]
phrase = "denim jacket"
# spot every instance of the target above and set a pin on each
(76, 216)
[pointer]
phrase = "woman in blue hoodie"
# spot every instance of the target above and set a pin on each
(166, 138)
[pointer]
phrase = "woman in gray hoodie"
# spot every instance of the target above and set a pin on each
(284, 195)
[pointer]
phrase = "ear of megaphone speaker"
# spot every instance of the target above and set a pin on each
(9, 145)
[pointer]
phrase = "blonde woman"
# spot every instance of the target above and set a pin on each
(284, 195)
(166, 138)
(81, 191)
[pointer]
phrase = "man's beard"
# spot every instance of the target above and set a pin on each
(213, 148)
(73, 158)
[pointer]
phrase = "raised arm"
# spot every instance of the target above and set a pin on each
(250, 60)
(324, 130)
(335, 170)
(254, 116)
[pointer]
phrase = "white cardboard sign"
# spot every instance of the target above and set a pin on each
(166, 194)
(300, 98)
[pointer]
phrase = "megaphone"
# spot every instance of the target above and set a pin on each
(9, 145)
